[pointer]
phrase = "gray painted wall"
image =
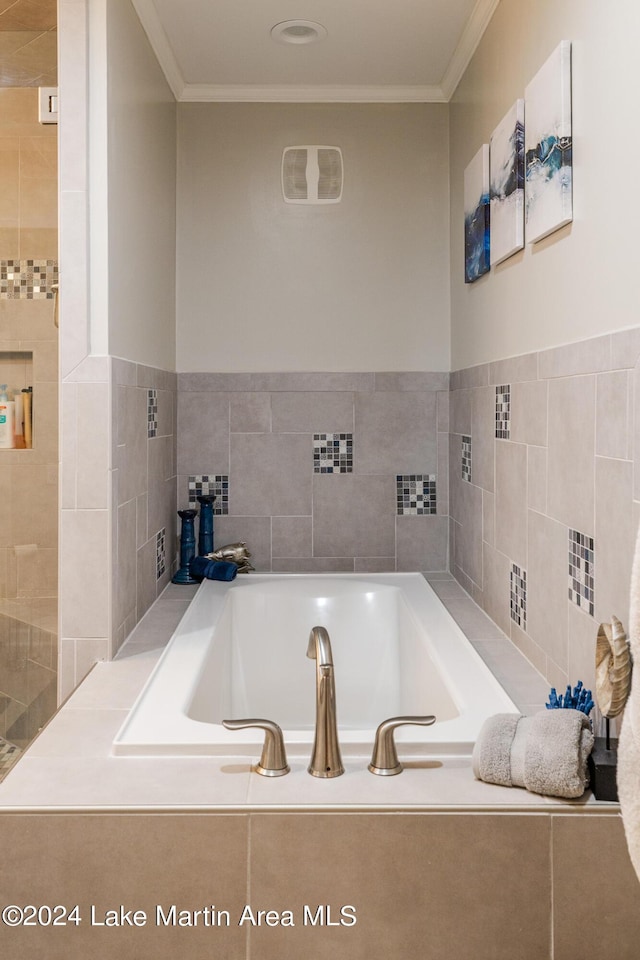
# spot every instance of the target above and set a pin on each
(269, 286)
(581, 281)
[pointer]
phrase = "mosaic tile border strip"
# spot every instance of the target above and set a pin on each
(161, 552)
(518, 581)
(503, 411)
(152, 413)
(333, 453)
(581, 571)
(9, 753)
(416, 494)
(206, 485)
(28, 279)
(466, 458)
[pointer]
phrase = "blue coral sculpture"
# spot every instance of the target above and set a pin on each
(580, 699)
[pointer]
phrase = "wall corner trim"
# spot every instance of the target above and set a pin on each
(471, 37)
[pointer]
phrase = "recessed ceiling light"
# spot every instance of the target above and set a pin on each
(298, 31)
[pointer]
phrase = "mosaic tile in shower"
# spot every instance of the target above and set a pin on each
(466, 459)
(503, 411)
(9, 753)
(333, 453)
(207, 485)
(152, 413)
(518, 578)
(28, 279)
(161, 552)
(581, 571)
(416, 494)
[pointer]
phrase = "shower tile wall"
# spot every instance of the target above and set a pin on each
(542, 535)
(326, 472)
(28, 478)
(144, 490)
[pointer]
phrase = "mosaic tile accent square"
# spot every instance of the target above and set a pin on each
(206, 485)
(466, 459)
(581, 571)
(416, 494)
(333, 453)
(161, 552)
(152, 413)
(28, 279)
(518, 578)
(503, 411)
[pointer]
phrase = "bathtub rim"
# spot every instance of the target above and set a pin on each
(191, 738)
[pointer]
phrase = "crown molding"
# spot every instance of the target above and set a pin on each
(295, 93)
(160, 45)
(291, 93)
(467, 46)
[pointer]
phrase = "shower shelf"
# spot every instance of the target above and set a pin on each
(16, 371)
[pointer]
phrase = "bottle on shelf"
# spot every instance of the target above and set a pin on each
(7, 418)
(27, 399)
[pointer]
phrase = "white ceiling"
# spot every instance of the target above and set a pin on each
(376, 50)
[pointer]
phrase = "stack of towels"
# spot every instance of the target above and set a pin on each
(546, 753)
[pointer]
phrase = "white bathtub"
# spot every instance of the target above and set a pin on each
(240, 651)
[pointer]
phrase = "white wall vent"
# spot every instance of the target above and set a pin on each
(312, 174)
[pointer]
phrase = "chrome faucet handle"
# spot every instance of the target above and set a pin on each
(384, 760)
(273, 762)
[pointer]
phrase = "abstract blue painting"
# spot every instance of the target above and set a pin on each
(506, 166)
(548, 147)
(476, 216)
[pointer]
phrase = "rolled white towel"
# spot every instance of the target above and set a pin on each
(546, 753)
(557, 748)
(491, 758)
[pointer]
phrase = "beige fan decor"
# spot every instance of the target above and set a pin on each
(613, 668)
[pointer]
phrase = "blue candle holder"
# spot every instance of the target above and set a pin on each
(205, 530)
(187, 547)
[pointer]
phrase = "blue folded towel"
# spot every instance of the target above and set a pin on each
(202, 568)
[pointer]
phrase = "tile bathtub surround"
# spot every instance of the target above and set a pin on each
(520, 895)
(312, 461)
(143, 490)
(561, 486)
(145, 809)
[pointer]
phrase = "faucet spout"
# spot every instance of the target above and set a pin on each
(325, 758)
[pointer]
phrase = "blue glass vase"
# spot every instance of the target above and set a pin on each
(187, 546)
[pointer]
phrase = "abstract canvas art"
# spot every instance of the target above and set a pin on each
(548, 147)
(476, 216)
(506, 166)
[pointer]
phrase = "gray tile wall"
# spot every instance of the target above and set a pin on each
(258, 430)
(568, 470)
(144, 490)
